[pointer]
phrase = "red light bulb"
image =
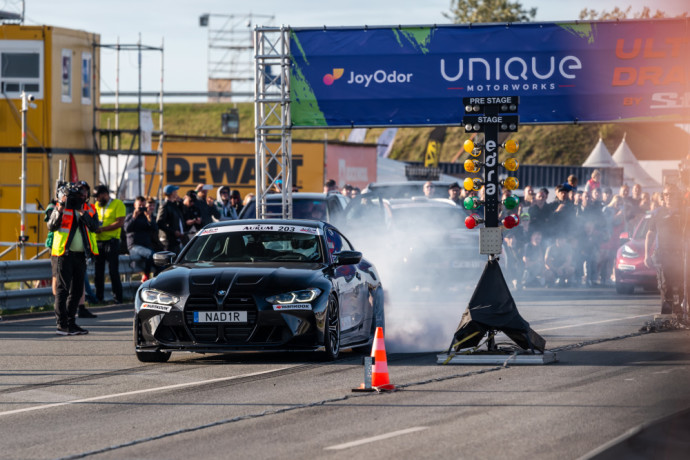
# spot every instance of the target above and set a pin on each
(511, 221)
(473, 220)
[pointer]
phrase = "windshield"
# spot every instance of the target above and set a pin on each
(428, 217)
(315, 209)
(235, 245)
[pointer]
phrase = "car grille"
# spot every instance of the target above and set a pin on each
(221, 333)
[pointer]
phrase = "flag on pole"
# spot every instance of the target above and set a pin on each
(357, 135)
(385, 142)
(433, 147)
(73, 172)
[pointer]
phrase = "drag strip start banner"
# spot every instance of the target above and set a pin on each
(563, 72)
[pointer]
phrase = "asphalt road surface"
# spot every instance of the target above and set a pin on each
(88, 396)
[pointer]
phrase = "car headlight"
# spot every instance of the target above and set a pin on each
(629, 253)
(306, 295)
(159, 297)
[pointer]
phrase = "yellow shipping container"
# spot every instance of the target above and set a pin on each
(56, 66)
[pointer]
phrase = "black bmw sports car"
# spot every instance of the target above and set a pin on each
(259, 285)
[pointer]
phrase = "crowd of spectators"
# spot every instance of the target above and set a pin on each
(572, 239)
(170, 224)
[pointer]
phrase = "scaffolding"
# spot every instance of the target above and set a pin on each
(108, 141)
(229, 55)
(273, 134)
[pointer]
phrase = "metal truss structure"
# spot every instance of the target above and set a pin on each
(272, 122)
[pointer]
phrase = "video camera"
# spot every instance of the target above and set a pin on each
(75, 199)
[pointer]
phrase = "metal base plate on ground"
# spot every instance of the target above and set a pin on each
(495, 358)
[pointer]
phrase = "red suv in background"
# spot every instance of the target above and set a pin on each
(630, 269)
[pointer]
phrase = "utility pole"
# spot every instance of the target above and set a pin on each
(23, 238)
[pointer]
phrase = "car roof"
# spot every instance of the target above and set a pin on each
(421, 202)
(243, 222)
(408, 183)
(297, 196)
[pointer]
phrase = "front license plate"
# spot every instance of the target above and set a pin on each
(220, 316)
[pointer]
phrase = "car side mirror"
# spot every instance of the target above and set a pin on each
(347, 257)
(163, 258)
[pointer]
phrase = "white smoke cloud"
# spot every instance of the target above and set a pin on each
(427, 280)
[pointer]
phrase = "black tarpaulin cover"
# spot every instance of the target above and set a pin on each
(492, 308)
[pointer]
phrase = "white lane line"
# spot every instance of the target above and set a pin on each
(137, 392)
(380, 437)
(595, 322)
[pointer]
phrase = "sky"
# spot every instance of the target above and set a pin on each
(175, 23)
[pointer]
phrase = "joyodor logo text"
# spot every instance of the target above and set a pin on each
(377, 77)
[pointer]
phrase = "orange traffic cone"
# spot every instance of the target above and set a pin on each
(379, 375)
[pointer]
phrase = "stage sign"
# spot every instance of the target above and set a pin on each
(563, 72)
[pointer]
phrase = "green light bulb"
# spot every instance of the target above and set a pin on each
(511, 202)
(470, 203)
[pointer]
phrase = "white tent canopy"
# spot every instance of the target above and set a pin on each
(600, 157)
(633, 172)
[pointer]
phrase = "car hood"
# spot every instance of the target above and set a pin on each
(210, 278)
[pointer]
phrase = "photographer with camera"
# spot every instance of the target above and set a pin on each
(138, 227)
(111, 216)
(73, 240)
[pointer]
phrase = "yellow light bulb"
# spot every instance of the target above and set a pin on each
(511, 146)
(476, 152)
(468, 146)
(511, 183)
(511, 164)
(468, 183)
(471, 166)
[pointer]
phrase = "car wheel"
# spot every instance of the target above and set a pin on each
(625, 288)
(331, 335)
(147, 356)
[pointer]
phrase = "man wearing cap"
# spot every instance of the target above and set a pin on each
(111, 217)
(563, 211)
(169, 220)
(236, 201)
(454, 193)
(206, 210)
(225, 209)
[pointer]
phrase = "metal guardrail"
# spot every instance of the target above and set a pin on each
(32, 270)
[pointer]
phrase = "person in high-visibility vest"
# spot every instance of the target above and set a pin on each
(111, 216)
(73, 240)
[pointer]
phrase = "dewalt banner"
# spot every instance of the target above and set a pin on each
(187, 164)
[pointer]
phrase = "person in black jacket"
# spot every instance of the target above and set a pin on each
(191, 217)
(663, 249)
(169, 221)
(138, 227)
(207, 211)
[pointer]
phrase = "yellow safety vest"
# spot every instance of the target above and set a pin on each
(61, 236)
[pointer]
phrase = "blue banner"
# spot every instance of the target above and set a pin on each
(563, 72)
